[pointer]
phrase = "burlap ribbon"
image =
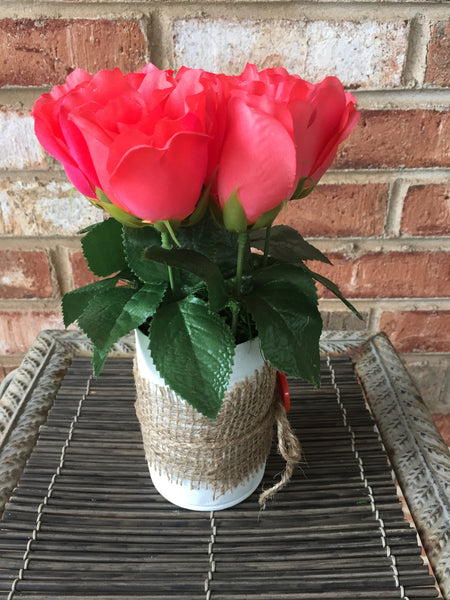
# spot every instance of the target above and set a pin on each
(186, 445)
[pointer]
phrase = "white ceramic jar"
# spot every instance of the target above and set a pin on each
(248, 359)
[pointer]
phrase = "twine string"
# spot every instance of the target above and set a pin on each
(289, 448)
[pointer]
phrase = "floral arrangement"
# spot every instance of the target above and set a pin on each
(193, 168)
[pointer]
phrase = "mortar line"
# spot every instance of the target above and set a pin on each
(396, 196)
(416, 56)
(389, 11)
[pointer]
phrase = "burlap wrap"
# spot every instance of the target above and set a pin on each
(184, 444)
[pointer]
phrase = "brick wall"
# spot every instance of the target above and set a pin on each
(382, 213)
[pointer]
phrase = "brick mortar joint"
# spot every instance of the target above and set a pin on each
(396, 196)
(356, 246)
(57, 273)
(435, 303)
(416, 56)
(23, 305)
(63, 11)
(425, 97)
(418, 354)
(11, 360)
(145, 25)
(414, 175)
(390, 11)
(26, 243)
(389, 304)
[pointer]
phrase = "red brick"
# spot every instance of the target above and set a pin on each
(438, 55)
(442, 422)
(389, 275)
(24, 274)
(18, 329)
(80, 271)
(418, 331)
(397, 138)
(38, 52)
(426, 210)
(339, 211)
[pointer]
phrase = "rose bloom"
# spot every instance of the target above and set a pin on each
(280, 129)
(144, 138)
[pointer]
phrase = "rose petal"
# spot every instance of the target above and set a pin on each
(329, 103)
(158, 184)
(258, 158)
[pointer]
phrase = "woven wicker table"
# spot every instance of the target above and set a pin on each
(81, 519)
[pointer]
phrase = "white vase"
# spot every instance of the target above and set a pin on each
(248, 359)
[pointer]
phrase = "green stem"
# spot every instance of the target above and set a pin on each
(267, 245)
(242, 241)
(166, 243)
(172, 234)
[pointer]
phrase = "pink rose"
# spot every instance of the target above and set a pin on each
(334, 118)
(280, 129)
(210, 107)
(142, 138)
(49, 131)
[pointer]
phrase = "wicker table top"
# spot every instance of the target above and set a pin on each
(84, 520)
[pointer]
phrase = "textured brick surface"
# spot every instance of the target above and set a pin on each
(426, 210)
(442, 422)
(80, 271)
(18, 329)
(340, 320)
(24, 274)
(431, 374)
(37, 52)
(438, 55)
(398, 138)
(19, 148)
(389, 275)
(361, 54)
(39, 208)
(418, 331)
(339, 210)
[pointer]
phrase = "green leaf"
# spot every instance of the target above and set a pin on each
(287, 245)
(102, 312)
(187, 333)
(137, 309)
(199, 265)
(74, 302)
(335, 290)
(215, 242)
(135, 242)
(102, 248)
(98, 360)
(87, 228)
(283, 304)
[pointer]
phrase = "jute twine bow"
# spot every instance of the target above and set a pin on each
(289, 448)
